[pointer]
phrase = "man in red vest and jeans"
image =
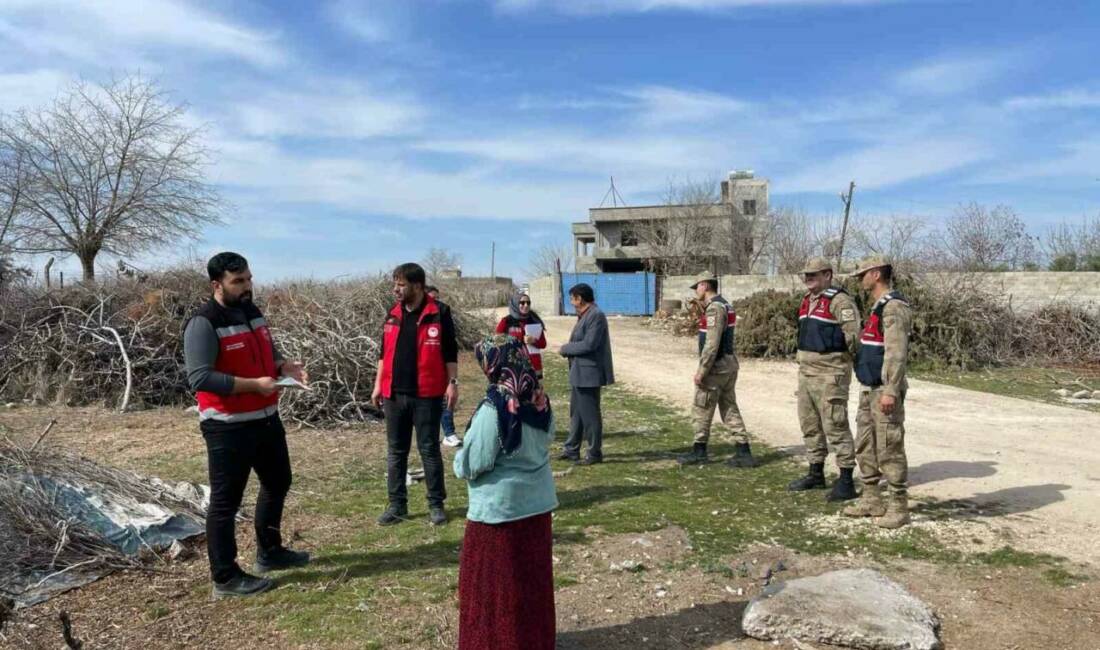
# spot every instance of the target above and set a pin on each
(232, 365)
(418, 366)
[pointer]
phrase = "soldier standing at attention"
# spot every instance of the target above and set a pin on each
(828, 333)
(880, 424)
(716, 378)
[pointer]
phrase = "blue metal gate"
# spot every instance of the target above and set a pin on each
(629, 294)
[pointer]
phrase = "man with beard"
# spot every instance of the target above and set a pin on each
(417, 378)
(232, 365)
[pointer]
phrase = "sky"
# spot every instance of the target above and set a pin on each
(351, 135)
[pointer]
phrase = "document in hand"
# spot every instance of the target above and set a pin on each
(290, 382)
(533, 330)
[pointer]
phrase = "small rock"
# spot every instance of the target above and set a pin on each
(1061, 392)
(11, 405)
(1082, 394)
(641, 541)
(1096, 394)
(191, 409)
(629, 566)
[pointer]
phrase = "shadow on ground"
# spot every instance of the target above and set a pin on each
(703, 626)
(942, 470)
(1009, 501)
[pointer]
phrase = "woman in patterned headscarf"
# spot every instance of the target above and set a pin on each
(506, 582)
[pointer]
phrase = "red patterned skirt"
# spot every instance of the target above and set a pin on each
(506, 586)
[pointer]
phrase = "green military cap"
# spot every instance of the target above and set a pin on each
(871, 263)
(703, 276)
(817, 265)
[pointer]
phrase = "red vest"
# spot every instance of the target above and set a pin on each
(244, 350)
(518, 329)
(431, 371)
(819, 329)
(872, 348)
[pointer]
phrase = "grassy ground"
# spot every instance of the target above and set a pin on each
(1025, 383)
(366, 576)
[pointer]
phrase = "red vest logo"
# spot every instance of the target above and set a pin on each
(433, 332)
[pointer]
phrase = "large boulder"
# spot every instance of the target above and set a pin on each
(857, 608)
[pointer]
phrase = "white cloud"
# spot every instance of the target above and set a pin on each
(94, 31)
(952, 75)
(1075, 98)
(885, 164)
(373, 21)
(1079, 160)
(641, 6)
(662, 105)
(30, 89)
(334, 110)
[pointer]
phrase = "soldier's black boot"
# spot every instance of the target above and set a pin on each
(697, 455)
(814, 480)
(742, 456)
(844, 489)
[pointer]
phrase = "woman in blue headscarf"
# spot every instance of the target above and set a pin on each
(506, 581)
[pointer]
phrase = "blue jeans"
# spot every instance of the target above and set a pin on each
(447, 421)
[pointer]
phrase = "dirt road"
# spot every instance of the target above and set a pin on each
(1030, 468)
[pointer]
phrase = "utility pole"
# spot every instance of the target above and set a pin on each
(847, 200)
(493, 262)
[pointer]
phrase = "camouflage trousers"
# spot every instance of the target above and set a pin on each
(823, 417)
(718, 391)
(880, 443)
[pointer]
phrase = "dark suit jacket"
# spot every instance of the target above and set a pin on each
(589, 351)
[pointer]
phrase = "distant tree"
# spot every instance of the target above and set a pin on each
(978, 238)
(437, 260)
(1073, 247)
(108, 168)
(544, 260)
(899, 237)
(795, 239)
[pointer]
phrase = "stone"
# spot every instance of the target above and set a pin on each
(1096, 394)
(1082, 394)
(855, 608)
(1061, 392)
(629, 566)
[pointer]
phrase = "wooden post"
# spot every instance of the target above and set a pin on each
(844, 228)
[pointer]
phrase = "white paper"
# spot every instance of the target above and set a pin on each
(533, 330)
(290, 382)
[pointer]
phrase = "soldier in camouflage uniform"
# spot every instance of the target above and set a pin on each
(828, 335)
(716, 377)
(880, 424)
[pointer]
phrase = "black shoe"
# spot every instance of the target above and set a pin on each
(697, 455)
(844, 489)
(437, 516)
(742, 456)
(565, 455)
(393, 515)
(242, 585)
(590, 460)
(814, 480)
(280, 558)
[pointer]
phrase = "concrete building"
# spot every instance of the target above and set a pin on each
(717, 235)
(486, 292)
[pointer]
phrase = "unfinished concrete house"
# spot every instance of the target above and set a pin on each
(676, 239)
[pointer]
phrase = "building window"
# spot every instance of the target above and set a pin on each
(748, 208)
(628, 237)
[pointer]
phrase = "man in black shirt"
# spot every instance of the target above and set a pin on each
(417, 377)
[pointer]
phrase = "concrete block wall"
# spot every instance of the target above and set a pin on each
(1027, 291)
(544, 295)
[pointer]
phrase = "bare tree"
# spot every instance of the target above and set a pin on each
(794, 240)
(899, 237)
(1073, 247)
(978, 238)
(110, 168)
(544, 259)
(437, 260)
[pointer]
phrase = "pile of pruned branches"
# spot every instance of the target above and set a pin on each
(957, 324)
(121, 343)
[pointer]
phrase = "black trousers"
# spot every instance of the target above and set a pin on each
(404, 413)
(585, 421)
(232, 452)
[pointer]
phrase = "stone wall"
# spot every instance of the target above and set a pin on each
(1027, 291)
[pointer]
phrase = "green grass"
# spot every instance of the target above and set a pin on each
(364, 585)
(1024, 383)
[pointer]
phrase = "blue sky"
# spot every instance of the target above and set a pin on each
(352, 135)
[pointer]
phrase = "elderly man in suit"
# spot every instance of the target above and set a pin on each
(590, 368)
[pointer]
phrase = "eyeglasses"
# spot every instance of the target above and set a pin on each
(525, 302)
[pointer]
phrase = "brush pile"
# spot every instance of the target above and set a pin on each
(120, 344)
